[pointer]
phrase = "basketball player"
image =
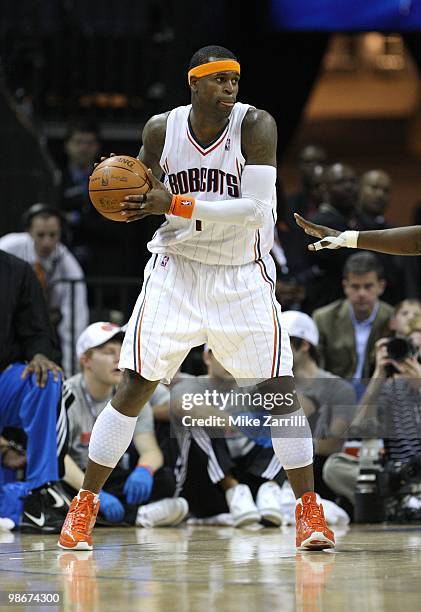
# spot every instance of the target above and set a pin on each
(396, 241)
(210, 280)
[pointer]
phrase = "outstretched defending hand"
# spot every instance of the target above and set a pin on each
(156, 202)
(329, 236)
(138, 487)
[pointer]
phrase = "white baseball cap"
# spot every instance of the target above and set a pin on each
(95, 335)
(300, 325)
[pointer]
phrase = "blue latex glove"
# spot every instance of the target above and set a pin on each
(138, 486)
(111, 507)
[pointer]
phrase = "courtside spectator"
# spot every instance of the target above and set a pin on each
(222, 470)
(130, 485)
(373, 199)
(339, 212)
(389, 409)
(295, 267)
(349, 327)
(405, 311)
(103, 248)
(30, 385)
(373, 202)
(328, 401)
(53, 264)
(82, 145)
(305, 199)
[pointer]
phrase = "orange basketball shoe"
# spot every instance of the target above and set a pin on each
(80, 520)
(312, 532)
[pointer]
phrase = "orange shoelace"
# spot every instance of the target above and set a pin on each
(313, 514)
(82, 515)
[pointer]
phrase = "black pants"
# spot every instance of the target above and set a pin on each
(205, 461)
(319, 484)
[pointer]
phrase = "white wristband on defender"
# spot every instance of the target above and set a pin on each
(347, 239)
(351, 238)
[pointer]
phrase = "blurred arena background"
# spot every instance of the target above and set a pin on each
(356, 93)
(336, 81)
(343, 77)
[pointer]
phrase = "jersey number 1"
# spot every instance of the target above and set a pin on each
(198, 226)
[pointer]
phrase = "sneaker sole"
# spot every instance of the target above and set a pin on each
(79, 546)
(271, 515)
(176, 521)
(246, 519)
(317, 541)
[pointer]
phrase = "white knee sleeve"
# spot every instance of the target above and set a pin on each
(111, 436)
(293, 452)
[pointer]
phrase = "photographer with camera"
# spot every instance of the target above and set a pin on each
(390, 409)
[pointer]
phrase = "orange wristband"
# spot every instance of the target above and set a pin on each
(182, 206)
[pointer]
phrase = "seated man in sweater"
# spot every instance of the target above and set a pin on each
(131, 488)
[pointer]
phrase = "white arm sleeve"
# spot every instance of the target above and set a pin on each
(257, 191)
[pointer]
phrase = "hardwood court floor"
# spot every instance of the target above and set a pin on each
(202, 569)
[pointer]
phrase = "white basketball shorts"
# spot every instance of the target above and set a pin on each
(185, 303)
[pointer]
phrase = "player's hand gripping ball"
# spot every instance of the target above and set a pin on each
(112, 180)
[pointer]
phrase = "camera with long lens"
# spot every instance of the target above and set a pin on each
(387, 492)
(371, 486)
(399, 349)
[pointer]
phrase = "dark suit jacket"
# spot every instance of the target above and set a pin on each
(337, 348)
(327, 286)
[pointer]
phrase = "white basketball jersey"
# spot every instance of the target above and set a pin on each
(212, 173)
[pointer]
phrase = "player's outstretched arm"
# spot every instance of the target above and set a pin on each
(396, 241)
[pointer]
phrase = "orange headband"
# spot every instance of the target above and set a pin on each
(213, 67)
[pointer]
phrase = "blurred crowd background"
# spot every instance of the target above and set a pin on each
(76, 84)
(79, 79)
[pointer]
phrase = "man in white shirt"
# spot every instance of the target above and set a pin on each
(52, 262)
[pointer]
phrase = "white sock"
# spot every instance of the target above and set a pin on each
(293, 452)
(111, 436)
(87, 491)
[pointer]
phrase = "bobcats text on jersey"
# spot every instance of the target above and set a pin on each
(203, 179)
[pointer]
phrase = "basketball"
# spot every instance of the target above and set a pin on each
(112, 180)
